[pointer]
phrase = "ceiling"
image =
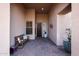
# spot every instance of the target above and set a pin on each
(39, 6)
(66, 10)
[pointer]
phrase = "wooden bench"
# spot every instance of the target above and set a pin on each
(20, 41)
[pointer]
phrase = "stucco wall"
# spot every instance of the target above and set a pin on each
(4, 28)
(30, 16)
(75, 29)
(17, 22)
(63, 22)
(53, 20)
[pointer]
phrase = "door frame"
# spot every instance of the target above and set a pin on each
(36, 29)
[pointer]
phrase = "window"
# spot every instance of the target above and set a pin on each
(29, 27)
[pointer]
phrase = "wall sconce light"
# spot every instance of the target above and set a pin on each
(51, 26)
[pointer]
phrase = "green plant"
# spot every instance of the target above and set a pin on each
(68, 31)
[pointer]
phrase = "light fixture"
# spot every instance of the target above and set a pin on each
(42, 9)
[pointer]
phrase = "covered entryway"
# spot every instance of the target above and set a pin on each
(38, 22)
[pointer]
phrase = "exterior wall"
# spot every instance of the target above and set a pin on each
(42, 18)
(17, 26)
(30, 16)
(53, 20)
(4, 28)
(63, 22)
(75, 29)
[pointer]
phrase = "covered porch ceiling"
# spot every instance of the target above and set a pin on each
(40, 7)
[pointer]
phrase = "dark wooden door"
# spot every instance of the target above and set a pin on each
(39, 30)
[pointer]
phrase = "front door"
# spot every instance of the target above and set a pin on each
(39, 30)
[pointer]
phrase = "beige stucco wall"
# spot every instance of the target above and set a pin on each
(4, 28)
(30, 16)
(75, 29)
(17, 22)
(42, 18)
(53, 20)
(63, 22)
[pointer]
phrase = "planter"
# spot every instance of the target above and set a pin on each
(67, 46)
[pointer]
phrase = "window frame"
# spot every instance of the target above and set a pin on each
(29, 26)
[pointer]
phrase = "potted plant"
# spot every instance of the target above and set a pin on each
(69, 34)
(67, 41)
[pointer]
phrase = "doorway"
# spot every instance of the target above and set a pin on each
(39, 30)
